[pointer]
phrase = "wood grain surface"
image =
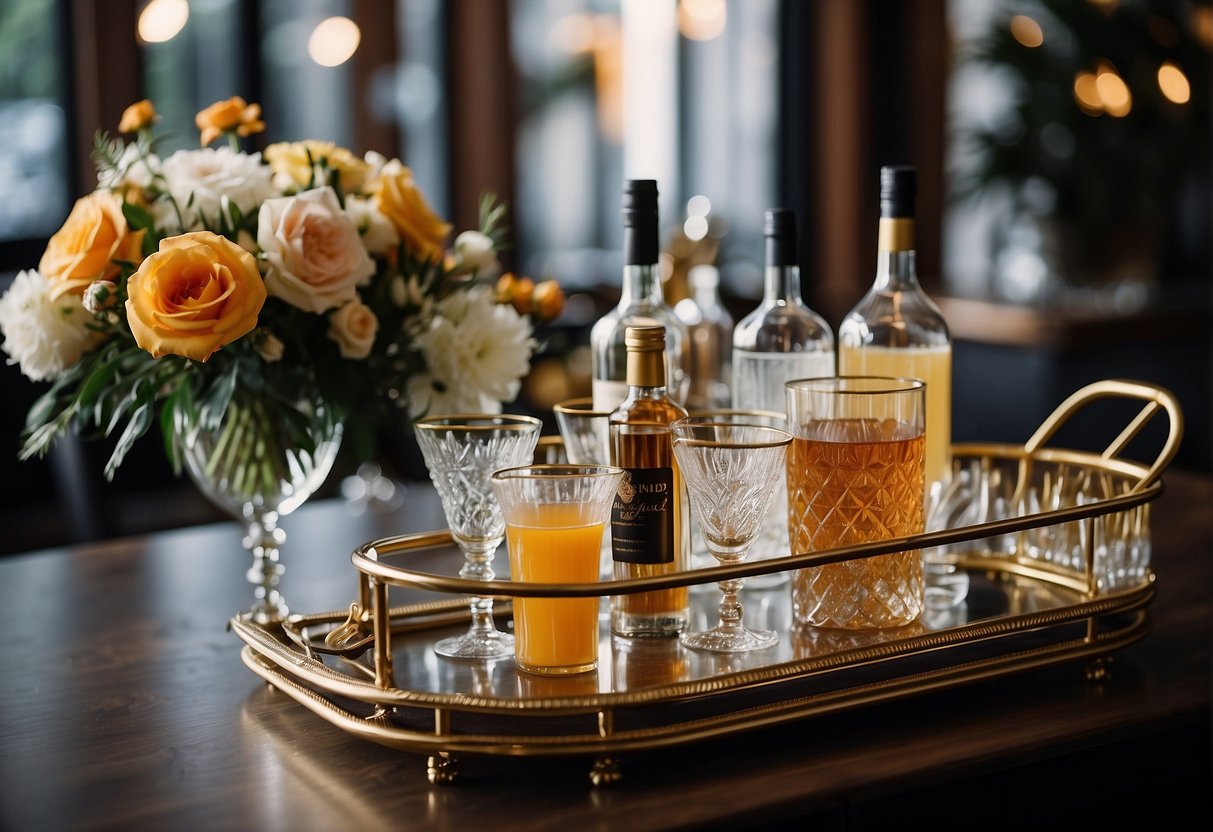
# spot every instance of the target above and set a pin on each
(124, 705)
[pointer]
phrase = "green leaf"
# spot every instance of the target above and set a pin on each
(214, 403)
(101, 375)
(140, 421)
(138, 217)
(168, 426)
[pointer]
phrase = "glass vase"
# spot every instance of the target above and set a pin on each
(258, 464)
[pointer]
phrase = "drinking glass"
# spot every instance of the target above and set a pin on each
(585, 431)
(554, 519)
(731, 469)
(772, 539)
(855, 475)
(461, 452)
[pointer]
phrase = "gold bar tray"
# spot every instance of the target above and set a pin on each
(1057, 561)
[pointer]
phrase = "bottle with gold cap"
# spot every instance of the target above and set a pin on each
(895, 329)
(650, 523)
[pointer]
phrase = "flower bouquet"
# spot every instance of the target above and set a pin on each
(263, 308)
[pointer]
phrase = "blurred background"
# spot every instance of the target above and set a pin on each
(1063, 150)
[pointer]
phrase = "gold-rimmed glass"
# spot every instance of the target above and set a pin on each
(461, 452)
(731, 469)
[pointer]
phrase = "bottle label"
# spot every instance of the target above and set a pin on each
(642, 516)
(608, 395)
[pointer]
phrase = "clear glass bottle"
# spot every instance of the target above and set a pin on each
(650, 520)
(641, 297)
(897, 330)
(783, 338)
(710, 327)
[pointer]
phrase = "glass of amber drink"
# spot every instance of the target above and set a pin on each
(554, 519)
(855, 475)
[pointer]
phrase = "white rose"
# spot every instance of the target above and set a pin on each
(208, 175)
(474, 253)
(476, 351)
(353, 327)
(44, 336)
(378, 233)
(314, 254)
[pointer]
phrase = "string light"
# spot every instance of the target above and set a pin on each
(1174, 84)
(1027, 31)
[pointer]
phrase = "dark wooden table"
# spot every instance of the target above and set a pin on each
(124, 705)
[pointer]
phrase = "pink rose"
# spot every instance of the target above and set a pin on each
(314, 255)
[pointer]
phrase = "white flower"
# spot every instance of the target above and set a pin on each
(474, 253)
(314, 254)
(45, 337)
(132, 170)
(208, 175)
(353, 327)
(378, 233)
(476, 351)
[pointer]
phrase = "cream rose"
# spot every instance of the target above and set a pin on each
(86, 247)
(197, 293)
(354, 327)
(314, 254)
(399, 199)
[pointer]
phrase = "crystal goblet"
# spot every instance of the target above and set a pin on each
(731, 469)
(461, 452)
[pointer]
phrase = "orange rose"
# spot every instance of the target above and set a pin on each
(224, 116)
(400, 200)
(548, 300)
(138, 116)
(86, 247)
(197, 293)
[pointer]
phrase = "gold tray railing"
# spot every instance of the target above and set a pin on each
(1064, 576)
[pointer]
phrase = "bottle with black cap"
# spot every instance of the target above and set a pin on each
(783, 338)
(780, 340)
(641, 296)
(896, 330)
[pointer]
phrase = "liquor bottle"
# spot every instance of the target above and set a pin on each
(641, 297)
(710, 327)
(896, 330)
(650, 520)
(783, 338)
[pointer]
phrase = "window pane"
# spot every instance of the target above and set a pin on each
(33, 178)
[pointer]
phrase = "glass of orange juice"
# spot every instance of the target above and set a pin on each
(554, 519)
(856, 475)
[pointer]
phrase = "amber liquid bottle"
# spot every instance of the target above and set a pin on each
(650, 524)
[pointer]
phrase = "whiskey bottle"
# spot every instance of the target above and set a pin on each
(650, 521)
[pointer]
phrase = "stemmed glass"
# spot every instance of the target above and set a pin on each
(731, 469)
(461, 452)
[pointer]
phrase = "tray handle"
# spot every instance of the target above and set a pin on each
(1156, 399)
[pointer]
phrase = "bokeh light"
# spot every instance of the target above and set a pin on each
(162, 20)
(334, 41)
